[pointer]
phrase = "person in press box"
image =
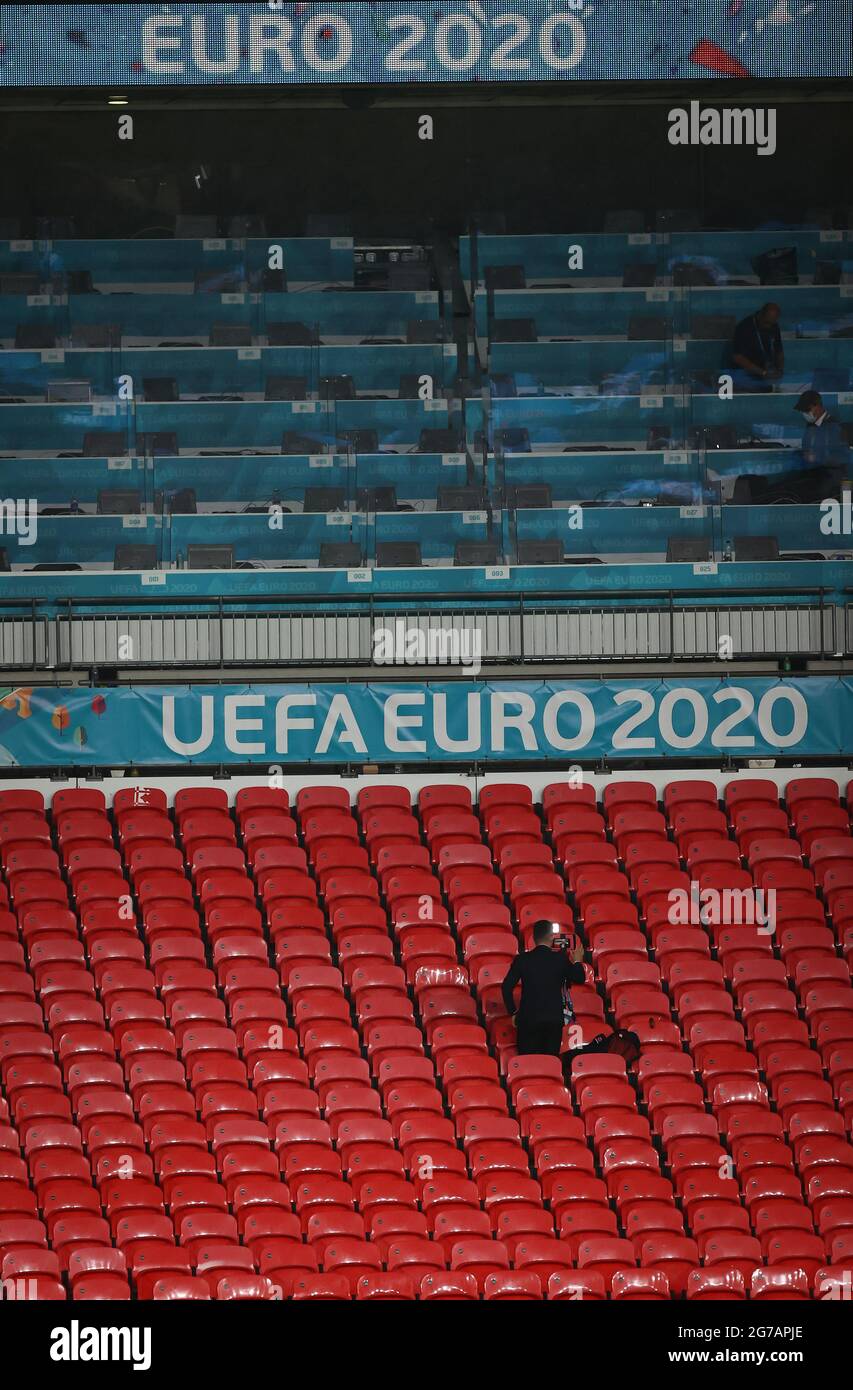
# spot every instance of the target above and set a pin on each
(824, 445)
(757, 353)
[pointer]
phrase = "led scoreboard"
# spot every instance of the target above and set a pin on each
(276, 42)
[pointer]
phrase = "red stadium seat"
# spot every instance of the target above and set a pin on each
(456, 1287)
(333, 1287)
(712, 1285)
(787, 1284)
(648, 1285)
(519, 1286)
(389, 1287)
(577, 1286)
(318, 1089)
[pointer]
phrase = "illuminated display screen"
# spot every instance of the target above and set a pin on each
(421, 41)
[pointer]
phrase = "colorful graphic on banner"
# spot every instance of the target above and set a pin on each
(487, 721)
(382, 41)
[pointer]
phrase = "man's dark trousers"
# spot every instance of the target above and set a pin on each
(543, 1038)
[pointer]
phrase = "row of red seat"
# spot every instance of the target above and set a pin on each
(646, 1285)
(199, 1038)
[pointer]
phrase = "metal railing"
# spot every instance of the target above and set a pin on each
(233, 632)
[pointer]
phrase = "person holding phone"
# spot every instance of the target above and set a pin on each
(543, 975)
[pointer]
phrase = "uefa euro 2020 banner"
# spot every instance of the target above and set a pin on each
(487, 722)
(415, 41)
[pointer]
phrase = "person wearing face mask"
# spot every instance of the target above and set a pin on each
(757, 353)
(824, 445)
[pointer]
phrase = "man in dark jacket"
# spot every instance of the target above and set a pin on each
(824, 445)
(757, 352)
(542, 973)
